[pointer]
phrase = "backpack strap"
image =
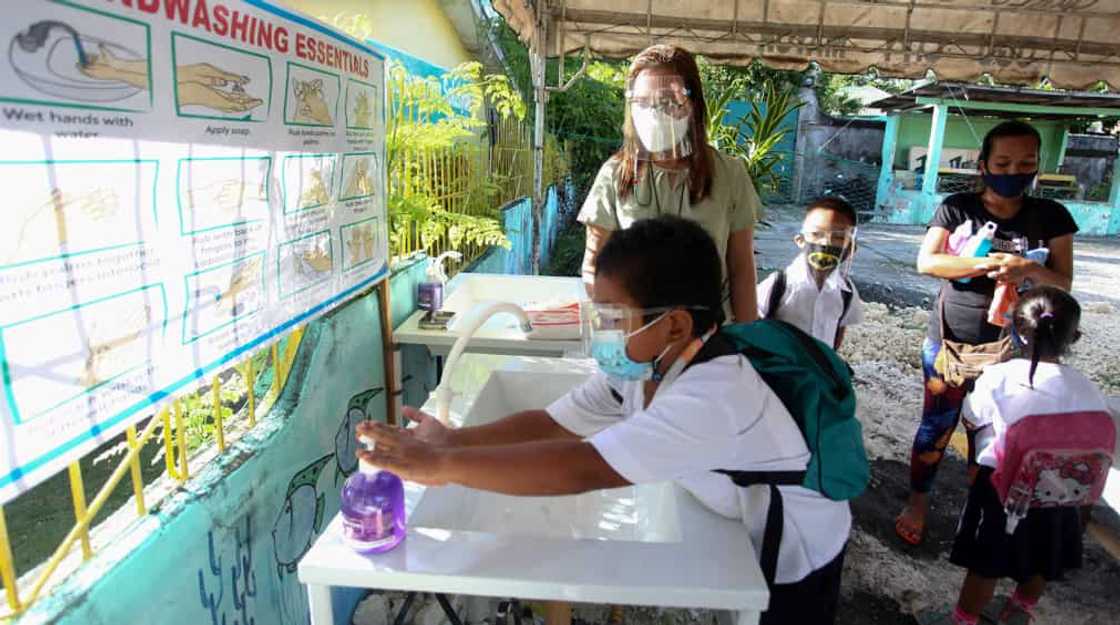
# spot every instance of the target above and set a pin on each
(716, 346)
(772, 537)
(771, 533)
(777, 290)
(847, 297)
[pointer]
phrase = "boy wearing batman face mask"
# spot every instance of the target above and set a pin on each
(814, 292)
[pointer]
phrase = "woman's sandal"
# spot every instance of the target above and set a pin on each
(911, 533)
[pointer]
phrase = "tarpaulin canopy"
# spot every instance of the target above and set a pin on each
(1074, 43)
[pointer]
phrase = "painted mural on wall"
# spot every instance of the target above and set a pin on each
(227, 584)
(301, 516)
(345, 440)
(227, 580)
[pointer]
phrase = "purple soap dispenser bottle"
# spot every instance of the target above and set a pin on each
(372, 508)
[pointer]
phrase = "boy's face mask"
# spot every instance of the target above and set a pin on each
(827, 250)
(608, 338)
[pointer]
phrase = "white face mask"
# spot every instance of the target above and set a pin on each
(659, 132)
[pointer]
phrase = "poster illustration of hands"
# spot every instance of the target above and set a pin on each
(184, 181)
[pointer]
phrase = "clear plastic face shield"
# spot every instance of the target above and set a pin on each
(659, 111)
(828, 252)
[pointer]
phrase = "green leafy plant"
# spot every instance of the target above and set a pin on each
(198, 410)
(435, 158)
(754, 137)
(567, 253)
(444, 186)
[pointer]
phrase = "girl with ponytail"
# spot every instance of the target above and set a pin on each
(1045, 323)
(1045, 442)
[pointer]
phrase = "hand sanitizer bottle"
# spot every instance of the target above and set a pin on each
(429, 294)
(372, 508)
(979, 245)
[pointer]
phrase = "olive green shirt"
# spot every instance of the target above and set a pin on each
(731, 206)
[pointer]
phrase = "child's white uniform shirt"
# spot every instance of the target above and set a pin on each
(1003, 396)
(717, 415)
(815, 311)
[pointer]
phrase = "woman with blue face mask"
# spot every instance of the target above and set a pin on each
(666, 167)
(1009, 164)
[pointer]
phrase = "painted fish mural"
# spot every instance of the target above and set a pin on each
(301, 518)
(345, 440)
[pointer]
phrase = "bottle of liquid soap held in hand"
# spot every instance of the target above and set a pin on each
(372, 508)
(979, 245)
(1007, 295)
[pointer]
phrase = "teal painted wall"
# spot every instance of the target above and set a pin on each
(913, 130)
(223, 550)
(900, 206)
(517, 222)
(550, 225)
(738, 109)
(517, 219)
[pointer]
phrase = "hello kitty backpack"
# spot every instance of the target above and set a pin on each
(1053, 460)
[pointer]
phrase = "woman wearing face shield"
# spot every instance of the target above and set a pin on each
(666, 167)
(1009, 163)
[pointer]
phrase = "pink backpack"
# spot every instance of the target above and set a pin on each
(1053, 460)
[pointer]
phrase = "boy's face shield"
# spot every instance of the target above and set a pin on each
(659, 110)
(828, 251)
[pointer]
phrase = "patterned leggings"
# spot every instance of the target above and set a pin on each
(941, 411)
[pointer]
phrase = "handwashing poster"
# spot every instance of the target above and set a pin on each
(181, 182)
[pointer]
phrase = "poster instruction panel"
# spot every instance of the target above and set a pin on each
(183, 182)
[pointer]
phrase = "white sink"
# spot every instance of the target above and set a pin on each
(635, 513)
(650, 545)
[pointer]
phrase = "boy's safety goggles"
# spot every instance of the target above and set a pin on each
(598, 319)
(610, 317)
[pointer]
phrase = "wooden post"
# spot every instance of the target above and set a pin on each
(557, 613)
(387, 351)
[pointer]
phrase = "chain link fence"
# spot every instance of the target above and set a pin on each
(825, 174)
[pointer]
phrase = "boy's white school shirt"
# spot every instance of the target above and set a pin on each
(717, 415)
(815, 311)
(1003, 396)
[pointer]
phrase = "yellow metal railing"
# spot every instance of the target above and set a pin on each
(169, 419)
(473, 178)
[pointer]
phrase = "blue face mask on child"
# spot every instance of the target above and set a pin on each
(608, 348)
